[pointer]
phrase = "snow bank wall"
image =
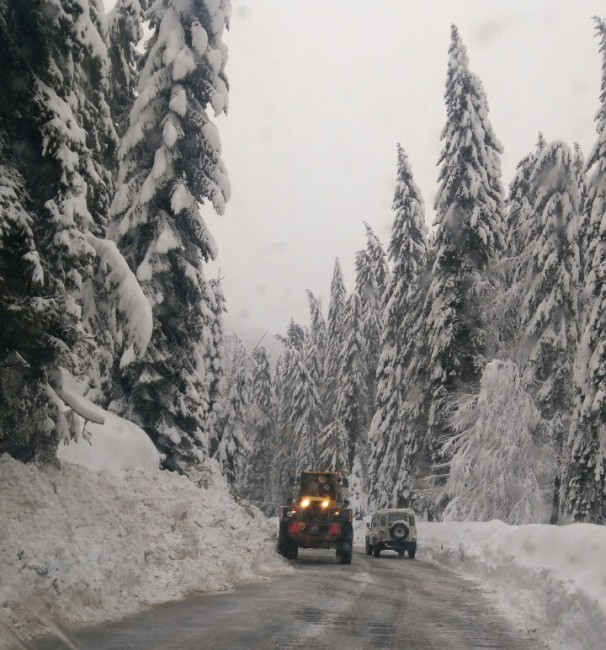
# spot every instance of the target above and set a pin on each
(551, 579)
(81, 547)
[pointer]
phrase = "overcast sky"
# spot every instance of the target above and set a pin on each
(322, 90)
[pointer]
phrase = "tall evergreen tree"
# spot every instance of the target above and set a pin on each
(586, 475)
(389, 431)
(584, 234)
(334, 338)
(519, 213)
(352, 397)
(125, 31)
(503, 304)
(371, 280)
(333, 444)
(283, 466)
(211, 349)
(302, 417)
(235, 444)
(69, 307)
(378, 259)
(317, 342)
(549, 311)
(469, 235)
(170, 162)
(289, 388)
(260, 473)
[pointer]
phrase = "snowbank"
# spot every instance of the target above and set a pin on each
(551, 579)
(82, 547)
(114, 446)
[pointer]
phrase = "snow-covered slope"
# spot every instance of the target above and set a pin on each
(78, 546)
(114, 446)
(551, 579)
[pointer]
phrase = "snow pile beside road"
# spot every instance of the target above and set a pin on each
(114, 446)
(81, 547)
(551, 579)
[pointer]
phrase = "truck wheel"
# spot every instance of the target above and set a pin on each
(411, 553)
(345, 557)
(376, 550)
(292, 549)
(283, 539)
(287, 547)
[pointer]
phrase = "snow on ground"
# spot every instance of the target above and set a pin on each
(549, 579)
(80, 547)
(113, 446)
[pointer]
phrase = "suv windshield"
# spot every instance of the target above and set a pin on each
(398, 517)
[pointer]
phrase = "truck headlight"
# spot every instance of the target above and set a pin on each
(304, 503)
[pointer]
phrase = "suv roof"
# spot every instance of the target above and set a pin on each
(389, 511)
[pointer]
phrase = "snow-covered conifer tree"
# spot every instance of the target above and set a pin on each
(497, 469)
(235, 444)
(469, 236)
(125, 31)
(352, 397)
(549, 311)
(307, 413)
(371, 280)
(334, 338)
(289, 371)
(211, 349)
(36, 332)
(284, 465)
(317, 342)
(333, 443)
(503, 304)
(519, 213)
(586, 475)
(260, 470)
(378, 259)
(170, 162)
(56, 140)
(389, 431)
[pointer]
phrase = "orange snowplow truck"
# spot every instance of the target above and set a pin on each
(318, 518)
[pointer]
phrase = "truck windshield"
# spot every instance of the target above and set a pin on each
(317, 485)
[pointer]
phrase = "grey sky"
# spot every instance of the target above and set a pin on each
(321, 92)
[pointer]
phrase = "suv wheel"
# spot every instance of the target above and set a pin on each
(411, 553)
(401, 551)
(376, 550)
(368, 548)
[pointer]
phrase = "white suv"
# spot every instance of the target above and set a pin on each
(392, 528)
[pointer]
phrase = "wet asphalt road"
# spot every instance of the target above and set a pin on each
(387, 602)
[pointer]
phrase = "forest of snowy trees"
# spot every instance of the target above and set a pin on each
(106, 154)
(463, 375)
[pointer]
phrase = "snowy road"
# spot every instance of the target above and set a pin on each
(389, 602)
